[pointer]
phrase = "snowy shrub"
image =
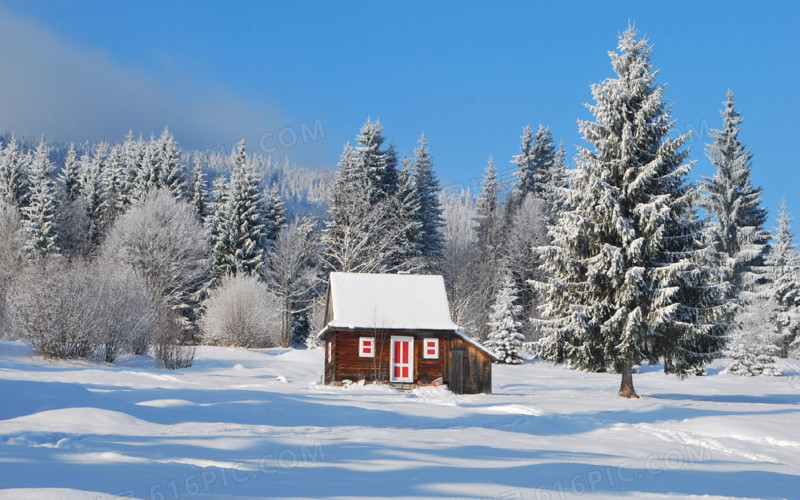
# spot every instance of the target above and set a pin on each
(164, 244)
(80, 311)
(752, 347)
(11, 243)
(241, 313)
(745, 362)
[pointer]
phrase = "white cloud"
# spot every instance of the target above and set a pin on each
(50, 86)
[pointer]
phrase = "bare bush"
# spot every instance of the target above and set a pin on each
(126, 314)
(78, 311)
(168, 348)
(242, 313)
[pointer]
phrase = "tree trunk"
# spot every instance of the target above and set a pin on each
(286, 322)
(626, 389)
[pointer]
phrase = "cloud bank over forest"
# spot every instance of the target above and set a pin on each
(53, 87)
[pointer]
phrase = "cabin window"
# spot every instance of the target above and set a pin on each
(366, 347)
(329, 351)
(430, 349)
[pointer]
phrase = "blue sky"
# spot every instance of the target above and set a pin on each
(469, 75)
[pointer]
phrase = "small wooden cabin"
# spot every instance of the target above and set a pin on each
(396, 328)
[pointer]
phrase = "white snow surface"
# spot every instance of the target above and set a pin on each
(228, 428)
(403, 301)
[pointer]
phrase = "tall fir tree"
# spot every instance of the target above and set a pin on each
(217, 231)
(170, 170)
(95, 192)
(489, 227)
(362, 235)
(408, 211)
(13, 182)
(737, 229)
(138, 168)
(239, 238)
(39, 215)
(536, 162)
(525, 163)
(505, 323)
(540, 170)
(146, 169)
(488, 212)
(379, 165)
(273, 215)
(628, 281)
(429, 210)
(70, 175)
(198, 190)
(115, 179)
(245, 212)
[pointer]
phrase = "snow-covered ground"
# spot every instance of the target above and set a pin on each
(230, 428)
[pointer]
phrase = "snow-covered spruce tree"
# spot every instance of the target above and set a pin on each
(540, 170)
(489, 226)
(170, 169)
(94, 192)
(379, 165)
(628, 282)
(409, 242)
(349, 243)
(429, 211)
(784, 266)
(301, 329)
(246, 212)
(237, 225)
(217, 231)
(138, 168)
(505, 323)
(768, 317)
(39, 215)
(524, 162)
(70, 175)
(753, 346)
(273, 215)
(361, 234)
(13, 182)
(115, 177)
(737, 228)
(198, 190)
(536, 161)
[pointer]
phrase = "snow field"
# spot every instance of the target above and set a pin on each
(228, 428)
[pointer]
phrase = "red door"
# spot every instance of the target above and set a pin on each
(402, 356)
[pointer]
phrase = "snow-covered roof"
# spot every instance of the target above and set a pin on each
(393, 301)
